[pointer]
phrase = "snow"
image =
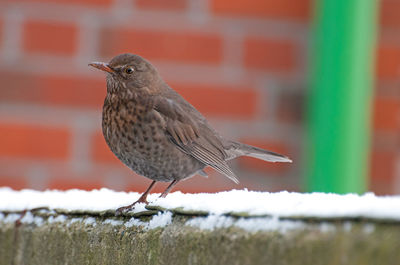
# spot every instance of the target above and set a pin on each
(90, 221)
(58, 219)
(11, 218)
(368, 228)
(29, 218)
(288, 204)
(158, 220)
(269, 207)
(212, 222)
(113, 222)
(268, 224)
(96, 200)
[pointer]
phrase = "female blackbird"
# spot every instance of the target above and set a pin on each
(157, 133)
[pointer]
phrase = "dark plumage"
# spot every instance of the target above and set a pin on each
(157, 133)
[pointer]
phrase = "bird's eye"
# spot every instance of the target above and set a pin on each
(129, 70)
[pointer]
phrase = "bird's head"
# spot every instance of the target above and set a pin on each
(128, 71)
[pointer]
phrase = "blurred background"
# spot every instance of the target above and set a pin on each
(245, 64)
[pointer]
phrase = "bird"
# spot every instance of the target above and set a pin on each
(157, 133)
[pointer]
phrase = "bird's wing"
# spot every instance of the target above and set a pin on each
(189, 130)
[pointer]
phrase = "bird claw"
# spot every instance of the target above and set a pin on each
(122, 210)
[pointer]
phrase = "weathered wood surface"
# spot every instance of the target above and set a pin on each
(53, 237)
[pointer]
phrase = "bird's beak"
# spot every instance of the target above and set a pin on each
(102, 66)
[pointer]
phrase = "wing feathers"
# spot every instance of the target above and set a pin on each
(185, 133)
(236, 149)
(213, 161)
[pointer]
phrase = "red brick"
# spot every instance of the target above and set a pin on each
(254, 164)
(82, 92)
(83, 183)
(388, 61)
(32, 141)
(53, 90)
(1, 32)
(389, 13)
(50, 37)
(20, 86)
(387, 114)
(174, 46)
(383, 170)
(228, 102)
(270, 54)
(161, 4)
(224, 101)
(101, 152)
(16, 183)
(298, 10)
(88, 3)
(380, 187)
(383, 165)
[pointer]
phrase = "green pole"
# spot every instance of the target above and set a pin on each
(339, 101)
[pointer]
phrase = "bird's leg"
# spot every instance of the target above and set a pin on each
(142, 198)
(168, 189)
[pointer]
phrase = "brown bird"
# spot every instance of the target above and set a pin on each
(157, 133)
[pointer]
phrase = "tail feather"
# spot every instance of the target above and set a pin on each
(236, 149)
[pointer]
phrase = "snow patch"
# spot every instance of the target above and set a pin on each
(274, 205)
(58, 219)
(369, 228)
(134, 222)
(268, 224)
(211, 222)
(288, 204)
(95, 200)
(282, 204)
(158, 220)
(250, 224)
(113, 222)
(11, 218)
(29, 218)
(90, 221)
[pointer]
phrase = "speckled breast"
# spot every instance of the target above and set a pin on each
(137, 137)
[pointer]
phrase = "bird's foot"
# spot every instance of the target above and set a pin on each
(130, 207)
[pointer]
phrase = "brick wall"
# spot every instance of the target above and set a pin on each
(240, 62)
(385, 166)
